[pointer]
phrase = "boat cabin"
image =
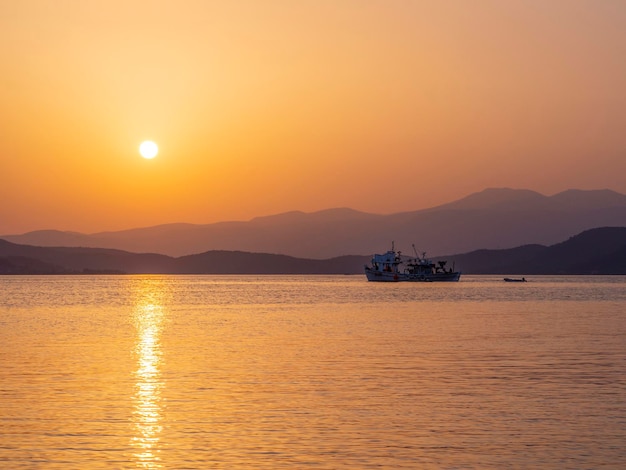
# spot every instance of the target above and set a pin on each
(387, 263)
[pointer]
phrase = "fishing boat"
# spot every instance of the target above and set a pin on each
(512, 279)
(391, 267)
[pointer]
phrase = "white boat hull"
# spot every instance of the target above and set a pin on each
(382, 276)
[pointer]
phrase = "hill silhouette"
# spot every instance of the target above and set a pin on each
(596, 251)
(27, 259)
(494, 218)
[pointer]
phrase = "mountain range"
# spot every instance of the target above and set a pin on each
(492, 219)
(596, 251)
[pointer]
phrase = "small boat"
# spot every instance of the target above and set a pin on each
(512, 279)
(390, 267)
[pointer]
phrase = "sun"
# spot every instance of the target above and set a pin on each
(148, 149)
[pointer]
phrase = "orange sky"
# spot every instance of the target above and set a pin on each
(264, 107)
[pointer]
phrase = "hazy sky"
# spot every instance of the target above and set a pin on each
(261, 107)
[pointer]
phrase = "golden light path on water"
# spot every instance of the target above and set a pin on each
(147, 398)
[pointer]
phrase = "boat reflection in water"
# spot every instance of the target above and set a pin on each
(147, 408)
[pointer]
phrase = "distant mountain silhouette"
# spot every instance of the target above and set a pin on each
(596, 251)
(494, 218)
(27, 259)
(25, 265)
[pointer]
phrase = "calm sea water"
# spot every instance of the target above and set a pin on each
(192, 372)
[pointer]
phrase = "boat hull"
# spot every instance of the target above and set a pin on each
(381, 276)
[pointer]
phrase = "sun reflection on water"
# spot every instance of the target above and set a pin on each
(147, 398)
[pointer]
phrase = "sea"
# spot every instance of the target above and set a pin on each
(311, 372)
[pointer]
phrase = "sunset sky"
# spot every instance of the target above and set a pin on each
(262, 107)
